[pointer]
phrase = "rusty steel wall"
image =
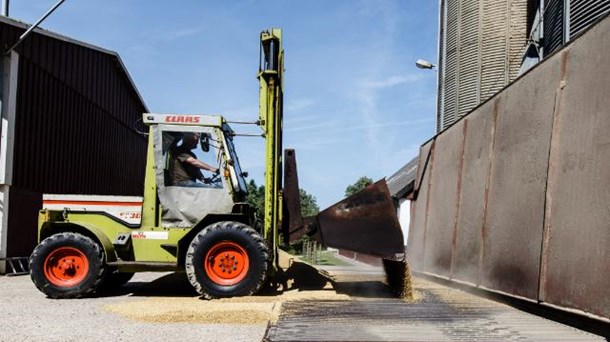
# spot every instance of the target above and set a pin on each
(515, 207)
(476, 167)
(576, 262)
(443, 199)
(531, 214)
(416, 240)
(76, 127)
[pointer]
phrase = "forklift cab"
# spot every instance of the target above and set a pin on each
(184, 206)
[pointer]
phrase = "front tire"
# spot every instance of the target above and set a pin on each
(67, 265)
(227, 259)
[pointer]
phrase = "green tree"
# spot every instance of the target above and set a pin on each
(309, 204)
(256, 198)
(360, 184)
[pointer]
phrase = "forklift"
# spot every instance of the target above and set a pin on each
(206, 230)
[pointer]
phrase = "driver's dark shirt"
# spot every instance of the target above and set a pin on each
(181, 170)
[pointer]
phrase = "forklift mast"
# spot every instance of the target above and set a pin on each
(270, 76)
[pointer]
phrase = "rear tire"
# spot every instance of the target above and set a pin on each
(67, 265)
(227, 259)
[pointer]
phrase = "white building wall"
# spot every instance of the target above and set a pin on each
(8, 97)
(404, 217)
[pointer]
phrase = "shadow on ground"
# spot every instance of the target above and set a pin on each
(307, 277)
(299, 276)
(364, 289)
(170, 285)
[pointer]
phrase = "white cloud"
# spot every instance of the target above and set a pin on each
(335, 126)
(299, 104)
(246, 113)
(308, 127)
(390, 81)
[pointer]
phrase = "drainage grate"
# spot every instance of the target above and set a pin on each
(442, 314)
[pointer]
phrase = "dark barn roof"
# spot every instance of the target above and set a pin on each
(40, 31)
(77, 121)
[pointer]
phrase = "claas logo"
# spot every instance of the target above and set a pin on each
(138, 235)
(182, 118)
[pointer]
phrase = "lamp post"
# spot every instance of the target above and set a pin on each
(424, 64)
(31, 29)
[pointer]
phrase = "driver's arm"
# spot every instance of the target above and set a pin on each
(201, 165)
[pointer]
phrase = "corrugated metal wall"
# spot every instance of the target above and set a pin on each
(441, 59)
(479, 53)
(584, 12)
(554, 33)
(450, 65)
(565, 19)
(75, 131)
(514, 197)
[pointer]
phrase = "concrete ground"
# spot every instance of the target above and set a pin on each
(357, 307)
(27, 315)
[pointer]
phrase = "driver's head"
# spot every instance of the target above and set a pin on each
(190, 140)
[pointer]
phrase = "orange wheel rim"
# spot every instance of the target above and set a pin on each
(226, 263)
(66, 267)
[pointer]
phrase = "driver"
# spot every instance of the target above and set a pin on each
(186, 169)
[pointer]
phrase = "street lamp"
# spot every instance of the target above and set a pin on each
(423, 64)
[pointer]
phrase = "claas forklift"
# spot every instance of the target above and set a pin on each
(206, 229)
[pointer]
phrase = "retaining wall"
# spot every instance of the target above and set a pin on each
(515, 197)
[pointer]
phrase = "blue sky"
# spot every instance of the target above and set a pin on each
(355, 104)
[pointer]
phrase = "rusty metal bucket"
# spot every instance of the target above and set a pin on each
(365, 222)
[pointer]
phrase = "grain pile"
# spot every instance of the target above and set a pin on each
(194, 310)
(249, 310)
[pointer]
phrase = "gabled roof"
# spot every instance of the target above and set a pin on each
(403, 180)
(50, 34)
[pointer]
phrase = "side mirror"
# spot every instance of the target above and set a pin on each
(204, 139)
(244, 174)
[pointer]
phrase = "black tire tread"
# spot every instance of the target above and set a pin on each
(227, 225)
(36, 265)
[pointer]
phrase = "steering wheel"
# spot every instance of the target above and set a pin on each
(213, 179)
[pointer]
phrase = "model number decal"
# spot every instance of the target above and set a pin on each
(150, 235)
(130, 215)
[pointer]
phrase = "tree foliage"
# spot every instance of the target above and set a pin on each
(256, 198)
(309, 204)
(360, 184)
